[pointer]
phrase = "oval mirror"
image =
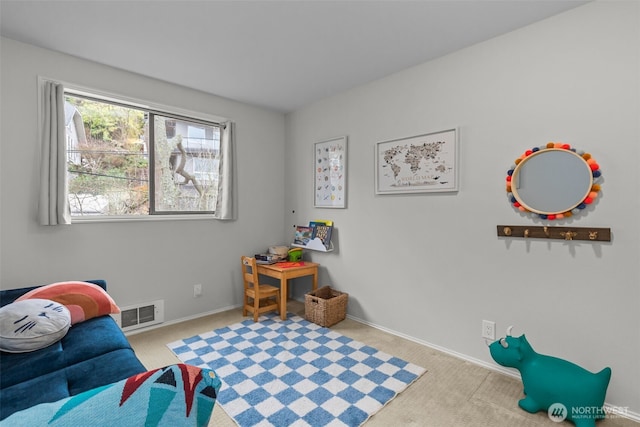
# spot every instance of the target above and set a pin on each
(553, 182)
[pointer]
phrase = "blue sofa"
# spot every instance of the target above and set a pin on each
(93, 353)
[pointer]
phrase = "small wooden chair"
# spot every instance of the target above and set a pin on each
(258, 298)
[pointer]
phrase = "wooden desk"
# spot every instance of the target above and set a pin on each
(284, 274)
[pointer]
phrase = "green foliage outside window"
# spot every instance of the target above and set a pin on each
(113, 171)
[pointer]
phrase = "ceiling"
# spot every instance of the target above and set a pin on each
(276, 54)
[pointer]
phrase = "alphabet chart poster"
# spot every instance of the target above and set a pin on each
(330, 161)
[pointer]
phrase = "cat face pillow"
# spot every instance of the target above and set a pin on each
(32, 324)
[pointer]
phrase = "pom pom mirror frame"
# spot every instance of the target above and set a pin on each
(566, 170)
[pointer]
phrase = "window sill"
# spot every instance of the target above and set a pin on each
(143, 218)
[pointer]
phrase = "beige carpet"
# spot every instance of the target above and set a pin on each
(453, 393)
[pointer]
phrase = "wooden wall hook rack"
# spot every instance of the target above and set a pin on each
(593, 234)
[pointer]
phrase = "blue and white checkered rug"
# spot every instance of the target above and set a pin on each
(295, 373)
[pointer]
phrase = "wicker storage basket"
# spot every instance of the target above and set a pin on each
(325, 306)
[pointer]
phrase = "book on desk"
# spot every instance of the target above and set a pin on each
(269, 258)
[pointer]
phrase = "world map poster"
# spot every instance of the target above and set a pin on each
(418, 164)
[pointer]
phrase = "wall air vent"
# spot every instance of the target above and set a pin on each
(140, 315)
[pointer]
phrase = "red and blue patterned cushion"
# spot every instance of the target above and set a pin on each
(176, 395)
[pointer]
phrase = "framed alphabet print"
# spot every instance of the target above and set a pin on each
(418, 164)
(330, 173)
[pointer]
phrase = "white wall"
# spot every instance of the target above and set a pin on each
(141, 261)
(430, 266)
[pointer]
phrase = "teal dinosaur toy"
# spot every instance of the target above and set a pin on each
(563, 389)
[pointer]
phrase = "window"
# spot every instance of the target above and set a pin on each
(125, 160)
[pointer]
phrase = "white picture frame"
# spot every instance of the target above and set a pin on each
(330, 173)
(418, 164)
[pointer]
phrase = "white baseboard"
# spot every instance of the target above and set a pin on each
(490, 366)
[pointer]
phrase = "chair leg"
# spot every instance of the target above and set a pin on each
(256, 309)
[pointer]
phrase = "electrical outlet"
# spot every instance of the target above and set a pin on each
(197, 290)
(489, 329)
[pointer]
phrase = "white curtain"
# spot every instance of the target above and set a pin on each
(226, 204)
(53, 207)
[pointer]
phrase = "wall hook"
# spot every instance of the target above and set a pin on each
(569, 235)
(593, 235)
